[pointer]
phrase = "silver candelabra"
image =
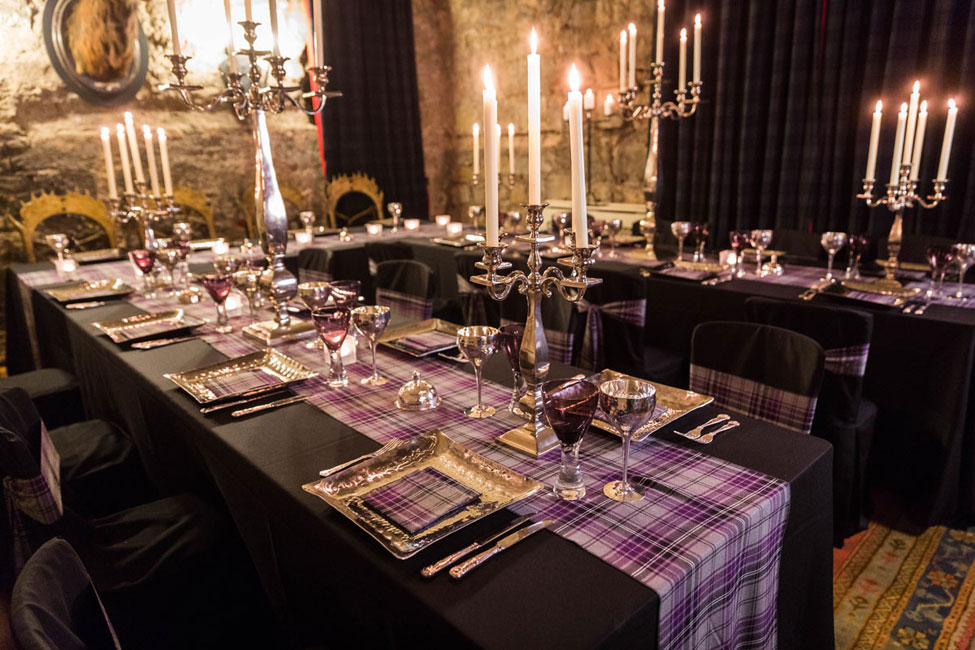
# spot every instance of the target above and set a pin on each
(534, 437)
(145, 209)
(900, 195)
(683, 106)
(271, 219)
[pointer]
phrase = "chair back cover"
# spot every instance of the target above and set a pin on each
(54, 605)
(559, 319)
(324, 265)
(406, 287)
(611, 328)
(478, 307)
(385, 251)
(765, 372)
(19, 414)
(801, 246)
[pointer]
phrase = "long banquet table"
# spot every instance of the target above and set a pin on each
(328, 580)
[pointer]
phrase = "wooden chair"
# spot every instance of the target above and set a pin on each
(196, 210)
(357, 183)
(81, 216)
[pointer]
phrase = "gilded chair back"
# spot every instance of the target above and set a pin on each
(79, 215)
(294, 203)
(196, 210)
(357, 183)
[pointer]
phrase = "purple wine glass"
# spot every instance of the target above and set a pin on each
(939, 257)
(218, 286)
(739, 240)
(569, 406)
(144, 259)
(346, 293)
(857, 244)
(332, 324)
(509, 339)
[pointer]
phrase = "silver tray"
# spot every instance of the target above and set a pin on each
(498, 486)
(100, 255)
(459, 242)
(91, 290)
(142, 326)
(280, 367)
(391, 336)
(677, 401)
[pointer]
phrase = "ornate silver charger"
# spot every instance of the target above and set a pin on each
(424, 331)
(271, 369)
(97, 290)
(143, 326)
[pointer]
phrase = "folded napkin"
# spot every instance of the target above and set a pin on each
(685, 274)
(239, 382)
(433, 341)
(420, 499)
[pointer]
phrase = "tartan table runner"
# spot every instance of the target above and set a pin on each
(428, 342)
(238, 382)
(420, 499)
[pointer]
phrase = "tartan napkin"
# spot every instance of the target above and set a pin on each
(420, 499)
(238, 382)
(428, 342)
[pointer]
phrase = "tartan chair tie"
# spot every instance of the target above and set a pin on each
(475, 301)
(405, 305)
(634, 312)
(34, 502)
(850, 360)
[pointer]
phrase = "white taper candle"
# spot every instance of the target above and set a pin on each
(911, 123)
(922, 123)
(124, 158)
(151, 160)
(874, 142)
(490, 100)
(895, 161)
(109, 165)
(134, 148)
(164, 159)
(580, 222)
(631, 42)
(946, 143)
(534, 123)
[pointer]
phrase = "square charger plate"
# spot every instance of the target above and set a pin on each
(389, 338)
(282, 367)
(134, 328)
(95, 290)
(498, 486)
(677, 401)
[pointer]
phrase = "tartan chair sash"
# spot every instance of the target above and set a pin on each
(404, 305)
(312, 275)
(760, 401)
(634, 312)
(475, 301)
(34, 502)
(559, 343)
(850, 360)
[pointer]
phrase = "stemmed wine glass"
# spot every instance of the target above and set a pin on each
(345, 293)
(226, 264)
(182, 232)
(647, 230)
(612, 228)
(332, 324)
(395, 211)
(858, 244)
(58, 242)
(700, 233)
(629, 404)
(560, 223)
(569, 405)
(964, 257)
(248, 281)
(144, 259)
(509, 340)
(371, 321)
(307, 220)
(478, 343)
(252, 255)
(739, 239)
(315, 295)
(760, 240)
(681, 230)
(939, 257)
(832, 242)
(218, 285)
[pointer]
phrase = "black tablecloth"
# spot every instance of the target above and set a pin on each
(328, 581)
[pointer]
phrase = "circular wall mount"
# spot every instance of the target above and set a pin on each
(99, 93)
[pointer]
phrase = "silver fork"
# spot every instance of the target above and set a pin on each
(338, 468)
(709, 436)
(696, 432)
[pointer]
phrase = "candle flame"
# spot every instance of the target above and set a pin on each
(660, 5)
(924, 107)
(104, 133)
(904, 108)
(951, 104)
(488, 79)
(120, 129)
(917, 87)
(128, 117)
(609, 99)
(574, 80)
(533, 40)
(622, 37)
(477, 128)
(161, 132)
(511, 129)
(632, 28)
(683, 34)
(146, 131)
(880, 107)
(697, 20)
(498, 129)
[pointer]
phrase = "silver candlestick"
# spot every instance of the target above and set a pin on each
(684, 106)
(271, 219)
(534, 437)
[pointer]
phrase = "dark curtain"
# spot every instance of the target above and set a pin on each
(780, 139)
(374, 127)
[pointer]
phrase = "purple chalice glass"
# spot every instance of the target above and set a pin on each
(218, 286)
(346, 293)
(332, 324)
(569, 405)
(144, 259)
(939, 257)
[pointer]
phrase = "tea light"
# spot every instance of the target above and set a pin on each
(442, 219)
(66, 268)
(455, 229)
(374, 229)
(411, 224)
(233, 302)
(727, 258)
(302, 238)
(220, 247)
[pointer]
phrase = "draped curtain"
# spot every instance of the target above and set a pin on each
(780, 139)
(374, 127)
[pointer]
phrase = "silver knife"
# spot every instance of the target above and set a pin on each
(86, 305)
(461, 569)
(440, 565)
(269, 405)
(158, 343)
(249, 396)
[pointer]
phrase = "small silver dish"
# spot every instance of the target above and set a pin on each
(417, 395)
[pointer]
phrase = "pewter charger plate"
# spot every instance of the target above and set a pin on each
(96, 290)
(142, 326)
(391, 336)
(498, 486)
(281, 369)
(677, 401)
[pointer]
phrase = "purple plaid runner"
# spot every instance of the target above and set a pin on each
(428, 342)
(34, 502)
(850, 360)
(630, 311)
(238, 382)
(420, 499)
(405, 306)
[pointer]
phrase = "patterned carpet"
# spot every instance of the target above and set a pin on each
(895, 590)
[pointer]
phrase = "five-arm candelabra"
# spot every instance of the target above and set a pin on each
(145, 209)
(535, 437)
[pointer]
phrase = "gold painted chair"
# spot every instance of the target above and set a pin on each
(294, 203)
(81, 216)
(196, 210)
(343, 185)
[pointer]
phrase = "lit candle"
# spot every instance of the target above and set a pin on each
(109, 166)
(660, 31)
(319, 35)
(874, 141)
(622, 60)
(631, 40)
(946, 143)
(697, 48)
(490, 101)
(272, 6)
(534, 123)
(134, 147)
(895, 162)
(497, 149)
(248, 11)
(171, 5)
(124, 159)
(922, 123)
(151, 159)
(682, 61)
(220, 247)
(454, 229)
(231, 49)
(911, 123)
(511, 149)
(477, 148)
(164, 159)
(608, 105)
(442, 220)
(303, 238)
(374, 229)
(411, 224)
(589, 100)
(579, 221)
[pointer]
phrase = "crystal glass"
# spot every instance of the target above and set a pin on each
(629, 404)
(248, 281)
(939, 257)
(699, 235)
(513, 221)
(346, 293)
(332, 324)
(144, 259)
(371, 322)
(226, 264)
(569, 405)
(832, 242)
(315, 295)
(509, 340)
(560, 224)
(739, 240)
(858, 244)
(218, 285)
(170, 254)
(58, 242)
(307, 218)
(251, 254)
(478, 343)
(964, 258)
(681, 230)
(760, 240)
(395, 211)
(612, 228)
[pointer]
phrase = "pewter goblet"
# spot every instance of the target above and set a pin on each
(648, 229)
(248, 280)
(478, 343)
(612, 228)
(170, 254)
(307, 218)
(58, 242)
(395, 211)
(760, 240)
(681, 230)
(832, 242)
(964, 257)
(371, 321)
(629, 404)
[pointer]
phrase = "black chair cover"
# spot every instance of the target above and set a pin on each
(478, 307)
(845, 336)
(321, 264)
(407, 287)
(386, 251)
(54, 605)
(54, 391)
(802, 246)
(613, 315)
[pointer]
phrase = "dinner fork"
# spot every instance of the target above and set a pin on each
(696, 432)
(709, 436)
(338, 468)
